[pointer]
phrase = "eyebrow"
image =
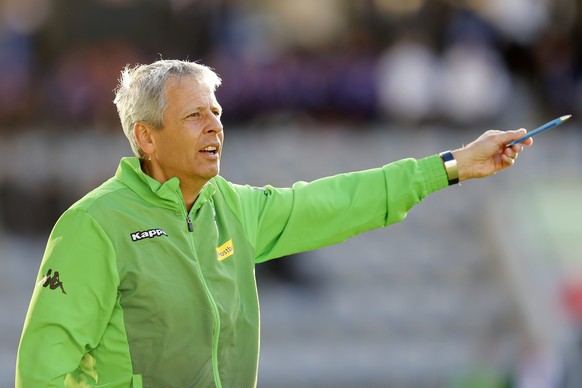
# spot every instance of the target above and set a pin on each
(199, 108)
(216, 107)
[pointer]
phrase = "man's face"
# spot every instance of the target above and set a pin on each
(190, 143)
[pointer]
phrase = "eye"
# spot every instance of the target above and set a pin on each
(217, 113)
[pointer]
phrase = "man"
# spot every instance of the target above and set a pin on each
(149, 279)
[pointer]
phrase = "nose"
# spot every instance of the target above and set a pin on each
(214, 124)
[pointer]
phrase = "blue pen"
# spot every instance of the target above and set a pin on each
(543, 128)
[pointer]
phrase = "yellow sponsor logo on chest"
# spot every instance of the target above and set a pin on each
(225, 250)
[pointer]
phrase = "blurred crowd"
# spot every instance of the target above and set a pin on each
(368, 60)
(413, 62)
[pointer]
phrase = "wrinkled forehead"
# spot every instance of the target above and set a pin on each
(191, 82)
(188, 91)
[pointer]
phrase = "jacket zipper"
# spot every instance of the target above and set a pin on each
(214, 310)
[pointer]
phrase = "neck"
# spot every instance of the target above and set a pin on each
(189, 196)
(190, 188)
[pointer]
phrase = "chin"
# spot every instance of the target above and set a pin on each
(213, 174)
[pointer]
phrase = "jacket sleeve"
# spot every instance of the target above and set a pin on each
(71, 304)
(330, 210)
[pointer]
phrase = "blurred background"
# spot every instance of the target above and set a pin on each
(480, 287)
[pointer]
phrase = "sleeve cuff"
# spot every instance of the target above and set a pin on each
(433, 170)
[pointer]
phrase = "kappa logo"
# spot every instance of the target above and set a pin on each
(152, 233)
(52, 281)
(225, 250)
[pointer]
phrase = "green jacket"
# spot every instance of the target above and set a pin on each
(135, 291)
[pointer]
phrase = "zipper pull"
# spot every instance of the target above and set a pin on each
(190, 225)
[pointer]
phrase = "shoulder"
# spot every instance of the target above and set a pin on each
(238, 192)
(107, 194)
(240, 199)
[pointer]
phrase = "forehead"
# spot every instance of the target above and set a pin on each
(186, 89)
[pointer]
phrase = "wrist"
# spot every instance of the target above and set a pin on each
(463, 163)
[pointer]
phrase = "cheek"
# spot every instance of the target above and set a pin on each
(174, 151)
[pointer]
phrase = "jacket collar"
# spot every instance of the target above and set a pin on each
(165, 194)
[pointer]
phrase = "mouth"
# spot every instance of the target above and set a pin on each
(211, 150)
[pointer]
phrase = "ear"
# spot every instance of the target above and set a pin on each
(143, 136)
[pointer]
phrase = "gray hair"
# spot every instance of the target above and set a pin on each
(140, 94)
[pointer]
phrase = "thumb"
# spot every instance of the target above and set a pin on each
(508, 136)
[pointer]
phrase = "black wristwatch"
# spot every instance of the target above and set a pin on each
(451, 167)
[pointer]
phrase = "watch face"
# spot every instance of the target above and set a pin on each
(447, 156)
